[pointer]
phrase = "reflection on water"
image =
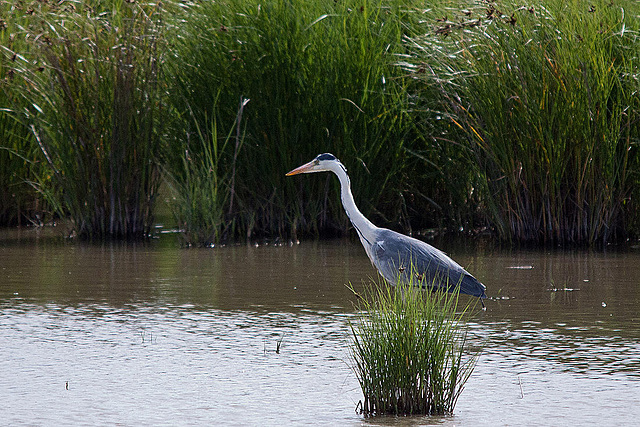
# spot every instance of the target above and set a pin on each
(152, 334)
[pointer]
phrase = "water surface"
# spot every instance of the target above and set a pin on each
(157, 335)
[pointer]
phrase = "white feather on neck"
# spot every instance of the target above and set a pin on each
(365, 228)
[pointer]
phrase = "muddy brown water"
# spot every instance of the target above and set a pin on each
(157, 335)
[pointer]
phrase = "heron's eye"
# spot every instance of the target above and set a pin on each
(316, 162)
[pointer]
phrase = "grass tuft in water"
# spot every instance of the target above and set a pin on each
(409, 350)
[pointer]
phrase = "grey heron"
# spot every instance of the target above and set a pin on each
(397, 257)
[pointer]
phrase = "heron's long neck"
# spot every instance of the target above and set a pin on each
(364, 227)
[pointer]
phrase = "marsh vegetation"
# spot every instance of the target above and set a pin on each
(409, 350)
(520, 120)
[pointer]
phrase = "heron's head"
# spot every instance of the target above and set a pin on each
(322, 163)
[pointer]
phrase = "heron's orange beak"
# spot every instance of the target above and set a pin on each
(307, 167)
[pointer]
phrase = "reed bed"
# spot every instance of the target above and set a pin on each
(546, 100)
(320, 77)
(410, 352)
(201, 189)
(93, 109)
(18, 200)
(522, 120)
(19, 203)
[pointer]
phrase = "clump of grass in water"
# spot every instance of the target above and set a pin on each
(410, 350)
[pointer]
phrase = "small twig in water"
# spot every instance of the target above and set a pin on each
(279, 343)
(143, 336)
(521, 392)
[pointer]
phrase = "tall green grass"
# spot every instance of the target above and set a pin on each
(201, 189)
(94, 111)
(409, 351)
(18, 200)
(524, 120)
(545, 99)
(321, 77)
(19, 204)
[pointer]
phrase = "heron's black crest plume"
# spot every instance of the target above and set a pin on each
(326, 156)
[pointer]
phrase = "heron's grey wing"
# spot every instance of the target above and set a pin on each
(397, 257)
(387, 264)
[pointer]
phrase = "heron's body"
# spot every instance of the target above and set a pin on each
(396, 256)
